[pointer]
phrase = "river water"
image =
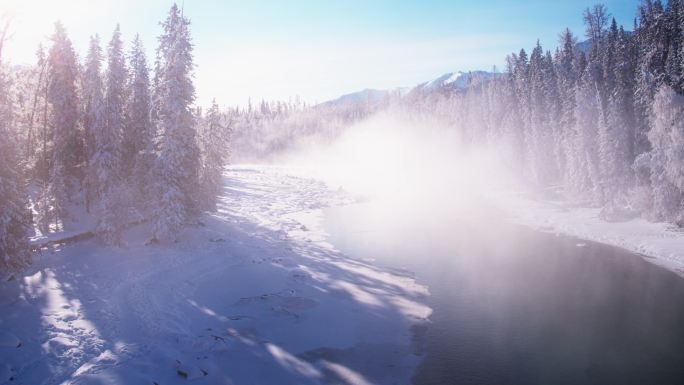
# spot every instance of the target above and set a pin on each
(516, 306)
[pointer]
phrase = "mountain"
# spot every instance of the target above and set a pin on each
(364, 96)
(454, 81)
(449, 82)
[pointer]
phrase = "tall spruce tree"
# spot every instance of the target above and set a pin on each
(666, 160)
(15, 217)
(138, 133)
(107, 158)
(177, 165)
(67, 149)
(93, 114)
(215, 150)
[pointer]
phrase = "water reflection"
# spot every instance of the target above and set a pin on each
(514, 306)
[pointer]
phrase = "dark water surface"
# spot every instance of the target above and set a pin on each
(516, 306)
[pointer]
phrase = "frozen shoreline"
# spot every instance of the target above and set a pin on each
(659, 243)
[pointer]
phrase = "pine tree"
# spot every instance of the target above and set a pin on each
(539, 135)
(673, 62)
(94, 113)
(521, 84)
(650, 54)
(14, 214)
(34, 157)
(666, 158)
(587, 117)
(608, 147)
(553, 132)
(566, 63)
(215, 150)
(616, 132)
(107, 158)
(139, 131)
(177, 163)
(67, 151)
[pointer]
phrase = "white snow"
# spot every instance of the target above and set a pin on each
(457, 80)
(446, 79)
(9, 340)
(659, 243)
(253, 294)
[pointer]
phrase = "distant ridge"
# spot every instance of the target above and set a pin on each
(449, 82)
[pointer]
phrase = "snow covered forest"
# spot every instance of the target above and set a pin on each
(597, 121)
(99, 138)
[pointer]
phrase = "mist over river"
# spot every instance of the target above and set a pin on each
(516, 306)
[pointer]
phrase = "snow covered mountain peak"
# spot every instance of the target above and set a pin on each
(449, 82)
(446, 79)
(455, 80)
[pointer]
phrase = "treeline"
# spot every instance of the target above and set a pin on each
(272, 129)
(107, 137)
(600, 122)
(604, 119)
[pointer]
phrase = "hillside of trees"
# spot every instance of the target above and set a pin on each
(599, 121)
(604, 124)
(105, 138)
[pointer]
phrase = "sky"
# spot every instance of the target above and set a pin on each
(314, 50)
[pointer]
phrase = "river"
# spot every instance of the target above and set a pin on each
(517, 306)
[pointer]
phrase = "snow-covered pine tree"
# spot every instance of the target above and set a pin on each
(138, 131)
(666, 158)
(33, 155)
(566, 68)
(616, 129)
(93, 114)
(521, 84)
(587, 117)
(15, 217)
(673, 62)
(139, 134)
(215, 151)
(45, 202)
(650, 55)
(553, 132)
(511, 124)
(608, 146)
(107, 157)
(538, 136)
(67, 151)
(177, 165)
(41, 166)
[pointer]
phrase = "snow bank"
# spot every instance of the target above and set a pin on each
(253, 294)
(659, 243)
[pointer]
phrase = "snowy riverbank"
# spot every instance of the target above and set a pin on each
(659, 243)
(253, 294)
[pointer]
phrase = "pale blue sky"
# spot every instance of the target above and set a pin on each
(317, 49)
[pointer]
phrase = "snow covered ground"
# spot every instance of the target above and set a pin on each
(251, 295)
(659, 243)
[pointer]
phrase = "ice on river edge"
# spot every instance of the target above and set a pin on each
(659, 243)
